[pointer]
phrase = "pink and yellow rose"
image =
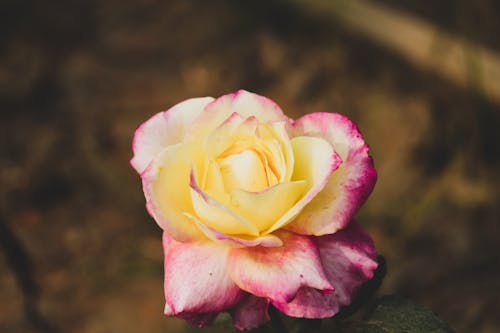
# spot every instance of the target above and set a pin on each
(256, 208)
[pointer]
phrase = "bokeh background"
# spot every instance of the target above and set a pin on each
(421, 78)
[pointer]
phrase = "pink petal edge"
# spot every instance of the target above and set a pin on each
(196, 278)
(247, 104)
(334, 163)
(164, 129)
(348, 188)
(242, 102)
(349, 259)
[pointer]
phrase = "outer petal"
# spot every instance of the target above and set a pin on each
(310, 303)
(166, 188)
(349, 259)
(250, 313)
(278, 272)
(244, 103)
(199, 319)
(164, 129)
(196, 279)
(195, 318)
(348, 187)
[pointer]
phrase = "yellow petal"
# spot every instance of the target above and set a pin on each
(242, 102)
(166, 186)
(235, 129)
(314, 161)
(275, 136)
(269, 240)
(217, 215)
(265, 208)
(213, 183)
(243, 171)
(314, 158)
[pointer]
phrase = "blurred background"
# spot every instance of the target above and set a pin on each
(421, 78)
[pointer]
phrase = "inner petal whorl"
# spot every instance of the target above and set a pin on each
(244, 170)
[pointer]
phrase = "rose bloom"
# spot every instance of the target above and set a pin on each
(256, 208)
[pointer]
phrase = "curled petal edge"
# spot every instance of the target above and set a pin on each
(348, 188)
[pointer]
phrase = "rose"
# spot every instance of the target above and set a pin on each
(256, 208)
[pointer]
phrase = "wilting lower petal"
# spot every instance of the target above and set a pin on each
(164, 129)
(250, 313)
(349, 259)
(196, 279)
(310, 303)
(350, 185)
(199, 319)
(278, 272)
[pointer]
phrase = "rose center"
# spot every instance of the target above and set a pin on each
(245, 171)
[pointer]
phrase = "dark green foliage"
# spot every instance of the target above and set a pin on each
(395, 314)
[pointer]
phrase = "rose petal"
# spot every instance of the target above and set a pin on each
(194, 318)
(234, 128)
(270, 140)
(234, 151)
(348, 187)
(245, 103)
(196, 279)
(315, 161)
(278, 133)
(266, 207)
(349, 260)
(278, 272)
(164, 129)
(166, 187)
(310, 303)
(269, 240)
(244, 171)
(212, 182)
(226, 196)
(168, 310)
(199, 319)
(217, 215)
(250, 313)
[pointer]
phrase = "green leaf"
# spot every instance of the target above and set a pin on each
(394, 314)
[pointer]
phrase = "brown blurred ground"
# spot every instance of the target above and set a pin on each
(77, 77)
